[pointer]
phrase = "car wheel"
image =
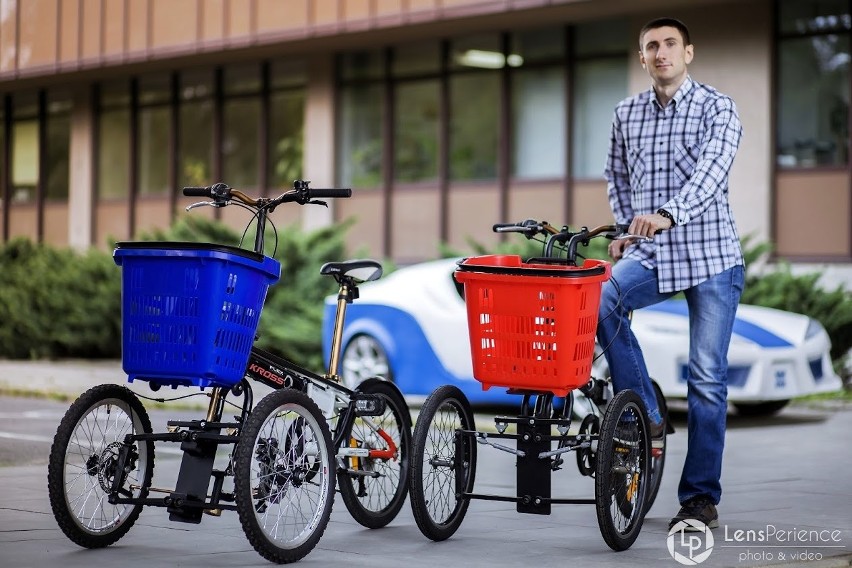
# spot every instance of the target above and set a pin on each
(363, 358)
(766, 408)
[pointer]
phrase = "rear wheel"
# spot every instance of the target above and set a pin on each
(621, 470)
(443, 464)
(83, 465)
(284, 476)
(374, 488)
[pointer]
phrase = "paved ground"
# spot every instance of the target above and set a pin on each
(788, 476)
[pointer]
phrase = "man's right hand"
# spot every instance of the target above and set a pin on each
(617, 247)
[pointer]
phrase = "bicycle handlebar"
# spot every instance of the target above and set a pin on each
(221, 195)
(301, 193)
(570, 240)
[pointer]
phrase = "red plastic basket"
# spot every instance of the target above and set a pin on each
(532, 326)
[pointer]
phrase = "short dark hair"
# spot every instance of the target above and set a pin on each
(662, 23)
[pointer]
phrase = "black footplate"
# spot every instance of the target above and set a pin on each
(368, 404)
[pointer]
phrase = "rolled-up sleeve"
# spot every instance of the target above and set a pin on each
(718, 147)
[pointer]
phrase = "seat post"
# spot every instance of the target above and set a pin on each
(344, 296)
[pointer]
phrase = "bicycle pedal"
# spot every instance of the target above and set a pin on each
(368, 404)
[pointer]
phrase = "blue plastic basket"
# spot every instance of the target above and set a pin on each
(190, 311)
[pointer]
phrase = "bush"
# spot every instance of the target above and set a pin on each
(58, 302)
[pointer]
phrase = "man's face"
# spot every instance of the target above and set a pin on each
(664, 55)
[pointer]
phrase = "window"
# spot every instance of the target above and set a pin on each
(286, 137)
(114, 142)
(195, 164)
(240, 142)
(417, 59)
(154, 130)
(240, 126)
(3, 205)
(538, 103)
(538, 123)
(416, 116)
(813, 101)
(813, 83)
(25, 149)
(600, 82)
(475, 62)
(599, 85)
(58, 149)
(286, 122)
(359, 139)
(474, 125)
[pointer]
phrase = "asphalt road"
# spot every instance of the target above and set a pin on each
(790, 471)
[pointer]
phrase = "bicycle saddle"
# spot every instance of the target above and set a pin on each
(364, 270)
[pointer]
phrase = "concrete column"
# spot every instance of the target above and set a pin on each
(81, 173)
(319, 137)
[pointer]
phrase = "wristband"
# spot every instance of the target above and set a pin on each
(667, 215)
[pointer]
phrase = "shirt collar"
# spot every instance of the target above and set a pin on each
(685, 88)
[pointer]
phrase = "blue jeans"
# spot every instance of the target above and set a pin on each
(712, 308)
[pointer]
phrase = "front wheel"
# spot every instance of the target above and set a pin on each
(284, 476)
(83, 465)
(621, 470)
(373, 488)
(443, 463)
(658, 451)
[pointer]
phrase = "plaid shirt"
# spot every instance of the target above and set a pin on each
(677, 158)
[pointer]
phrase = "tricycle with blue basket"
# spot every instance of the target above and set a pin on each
(532, 326)
(190, 313)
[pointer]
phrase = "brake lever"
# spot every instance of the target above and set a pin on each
(205, 203)
(317, 202)
(625, 236)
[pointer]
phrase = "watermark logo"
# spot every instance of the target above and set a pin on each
(690, 542)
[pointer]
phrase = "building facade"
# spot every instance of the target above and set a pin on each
(444, 116)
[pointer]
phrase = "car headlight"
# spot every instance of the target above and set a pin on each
(814, 328)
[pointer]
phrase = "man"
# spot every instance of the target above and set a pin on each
(670, 153)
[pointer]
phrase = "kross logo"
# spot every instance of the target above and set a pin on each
(690, 542)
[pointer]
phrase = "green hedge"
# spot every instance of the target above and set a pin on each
(58, 303)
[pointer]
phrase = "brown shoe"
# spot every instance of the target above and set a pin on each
(699, 508)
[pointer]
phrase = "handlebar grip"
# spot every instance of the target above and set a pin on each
(196, 191)
(330, 193)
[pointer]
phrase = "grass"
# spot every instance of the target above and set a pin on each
(844, 395)
(173, 404)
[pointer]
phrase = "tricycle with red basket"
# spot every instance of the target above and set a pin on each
(532, 327)
(190, 312)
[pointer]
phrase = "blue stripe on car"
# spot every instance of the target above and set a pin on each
(744, 329)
